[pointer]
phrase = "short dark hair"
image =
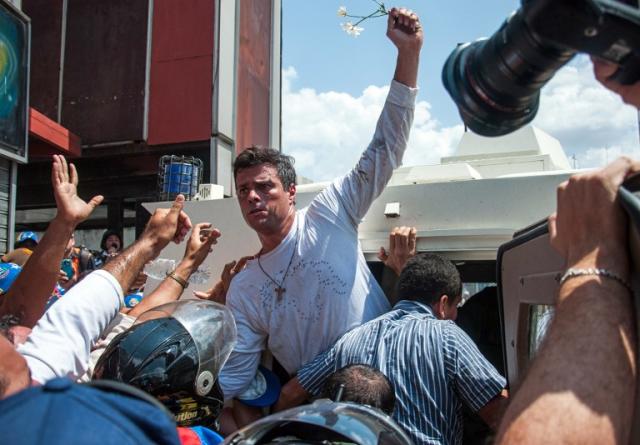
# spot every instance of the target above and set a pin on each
(363, 385)
(426, 277)
(107, 234)
(254, 156)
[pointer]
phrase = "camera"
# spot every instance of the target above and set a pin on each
(496, 82)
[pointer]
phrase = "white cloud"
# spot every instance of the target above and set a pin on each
(327, 131)
(590, 121)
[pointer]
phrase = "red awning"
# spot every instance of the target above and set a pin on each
(47, 137)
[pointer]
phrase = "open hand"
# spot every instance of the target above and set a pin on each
(218, 292)
(402, 246)
(64, 180)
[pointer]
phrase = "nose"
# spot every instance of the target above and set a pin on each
(253, 196)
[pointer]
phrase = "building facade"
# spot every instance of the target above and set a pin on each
(139, 79)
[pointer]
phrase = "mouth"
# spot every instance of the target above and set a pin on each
(257, 211)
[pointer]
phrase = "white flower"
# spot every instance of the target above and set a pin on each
(342, 11)
(351, 29)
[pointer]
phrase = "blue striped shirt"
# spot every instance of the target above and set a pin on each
(432, 364)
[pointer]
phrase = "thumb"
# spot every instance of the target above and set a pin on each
(178, 204)
(201, 295)
(95, 202)
(176, 208)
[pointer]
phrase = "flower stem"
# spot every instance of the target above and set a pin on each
(370, 16)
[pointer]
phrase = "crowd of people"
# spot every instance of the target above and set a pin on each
(77, 365)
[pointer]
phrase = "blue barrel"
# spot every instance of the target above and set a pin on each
(180, 178)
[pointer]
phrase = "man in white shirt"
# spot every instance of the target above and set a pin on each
(310, 283)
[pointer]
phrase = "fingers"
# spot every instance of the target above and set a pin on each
(553, 231)
(202, 295)
(392, 239)
(616, 172)
(56, 169)
(412, 240)
(382, 255)
(403, 18)
(241, 263)
(73, 174)
(603, 69)
(64, 169)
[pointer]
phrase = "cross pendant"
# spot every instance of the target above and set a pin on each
(280, 290)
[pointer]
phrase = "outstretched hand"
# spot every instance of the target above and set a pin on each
(64, 180)
(218, 292)
(402, 246)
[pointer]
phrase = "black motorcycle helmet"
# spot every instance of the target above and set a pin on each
(323, 422)
(174, 352)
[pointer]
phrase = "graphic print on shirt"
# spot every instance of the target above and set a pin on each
(319, 281)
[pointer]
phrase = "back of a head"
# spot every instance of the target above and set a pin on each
(254, 156)
(361, 384)
(428, 276)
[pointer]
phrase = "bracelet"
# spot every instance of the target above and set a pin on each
(571, 273)
(177, 279)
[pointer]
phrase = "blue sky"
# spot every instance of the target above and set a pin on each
(335, 84)
(327, 59)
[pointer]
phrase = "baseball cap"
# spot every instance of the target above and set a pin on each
(264, 389)
(63, 412)
(8, 274)
(23, 236)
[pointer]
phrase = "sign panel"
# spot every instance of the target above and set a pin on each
(14, 82)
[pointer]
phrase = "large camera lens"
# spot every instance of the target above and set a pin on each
(496, 82)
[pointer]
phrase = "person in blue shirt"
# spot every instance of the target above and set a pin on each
(433, 365)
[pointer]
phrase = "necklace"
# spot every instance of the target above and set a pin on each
(279, 289)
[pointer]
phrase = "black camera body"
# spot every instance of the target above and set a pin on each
(496, 82)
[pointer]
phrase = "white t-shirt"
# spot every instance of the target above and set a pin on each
(329, 288)
(61, 341)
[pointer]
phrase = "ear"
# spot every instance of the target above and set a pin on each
(441, 307)
(292, 194)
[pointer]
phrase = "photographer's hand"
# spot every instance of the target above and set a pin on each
(603, 70)
(581, 386)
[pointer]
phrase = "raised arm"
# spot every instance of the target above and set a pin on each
(355, 192)
(61, 340)
(28, 296)
(581, 387)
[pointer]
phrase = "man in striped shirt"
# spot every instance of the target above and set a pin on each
(432, 364)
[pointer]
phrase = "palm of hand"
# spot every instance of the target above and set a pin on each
(70, 204)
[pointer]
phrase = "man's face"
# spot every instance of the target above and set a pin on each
(264, 202)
